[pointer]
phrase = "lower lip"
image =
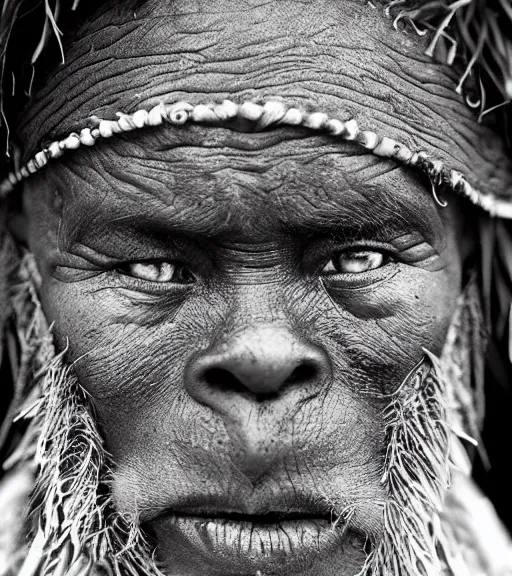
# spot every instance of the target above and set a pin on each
(235, 544)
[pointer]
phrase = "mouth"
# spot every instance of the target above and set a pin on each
(232, 542)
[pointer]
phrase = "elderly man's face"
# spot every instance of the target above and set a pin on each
(237, 304)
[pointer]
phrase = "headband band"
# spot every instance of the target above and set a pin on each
(271, 113)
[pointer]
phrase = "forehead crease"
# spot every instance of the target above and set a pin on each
(210, 193)
(356, 211)
(387, 85)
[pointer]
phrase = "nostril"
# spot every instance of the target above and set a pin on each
(223, 380)
(302, 374)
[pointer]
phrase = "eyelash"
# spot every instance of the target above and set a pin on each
(386, 258)
(122, 279)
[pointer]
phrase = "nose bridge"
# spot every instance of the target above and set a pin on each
(261, 340)
(262, 304)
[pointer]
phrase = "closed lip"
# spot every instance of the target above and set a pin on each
(261, 538)
(296, 506)
(264, 517)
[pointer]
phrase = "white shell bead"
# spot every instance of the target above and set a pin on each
(71, 142)
(105, 129)
(179, 112)
(140, 118)
(403, 154)
(178, 117)
(368, 139)
(156, 115)
(116, 129)
(55, 150)
(227, 110)
(41, 159)
(273, 111)
(351, 129)
(455, 178)
(24, 172)
(250, 111)
(316, 120)
(31, 167)
(86, 137)
(12, 178)
(125, 122)
(202, 113)
(293, 117)
(335, 127)
(386, 148)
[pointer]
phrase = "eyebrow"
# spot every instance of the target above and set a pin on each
(384, 213)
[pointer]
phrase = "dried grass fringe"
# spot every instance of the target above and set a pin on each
(73, 527)
(477, 32)
(416, 475)
(463, 365)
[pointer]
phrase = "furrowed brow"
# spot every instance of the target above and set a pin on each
(378, 214)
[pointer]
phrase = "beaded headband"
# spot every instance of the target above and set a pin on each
(271, 113)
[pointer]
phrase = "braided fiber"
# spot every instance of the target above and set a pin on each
(270, 114)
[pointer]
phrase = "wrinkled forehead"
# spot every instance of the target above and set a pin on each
(343, 58)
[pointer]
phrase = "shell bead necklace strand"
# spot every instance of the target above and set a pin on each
(271, 113)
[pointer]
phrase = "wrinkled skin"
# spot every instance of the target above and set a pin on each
(251, 382)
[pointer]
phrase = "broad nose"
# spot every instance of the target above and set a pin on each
(261, 362)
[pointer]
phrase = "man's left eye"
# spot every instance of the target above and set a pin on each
(354, 262)
(158, 272)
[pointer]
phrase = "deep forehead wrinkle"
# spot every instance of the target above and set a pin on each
(306, 186)
(343, 58)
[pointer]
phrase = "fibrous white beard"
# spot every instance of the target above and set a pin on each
(74, 526)
(415, 476)
(74, 529)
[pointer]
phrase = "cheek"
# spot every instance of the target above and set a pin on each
(394, 323)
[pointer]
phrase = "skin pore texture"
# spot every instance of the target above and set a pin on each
(237, 304)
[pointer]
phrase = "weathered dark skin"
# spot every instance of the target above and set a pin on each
(252, 383)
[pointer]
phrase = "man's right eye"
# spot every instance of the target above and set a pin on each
(159, 271)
